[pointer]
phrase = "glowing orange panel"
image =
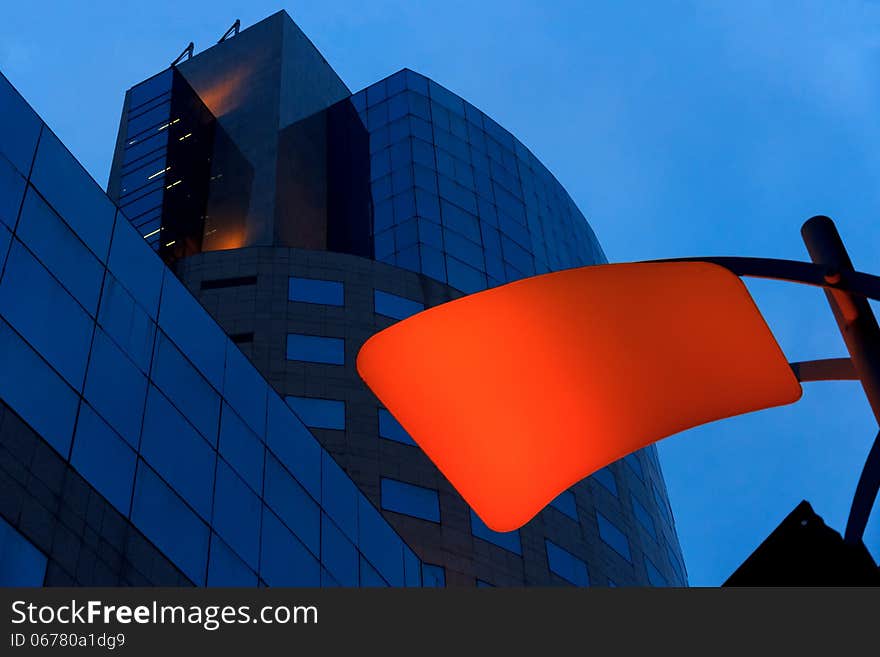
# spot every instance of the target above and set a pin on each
(518, 392)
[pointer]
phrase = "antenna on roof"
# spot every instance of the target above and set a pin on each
(188, 51)
(232, 31)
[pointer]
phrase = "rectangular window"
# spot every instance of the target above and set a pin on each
(379, 543)
(566, 565)
(394, 306)
(565, 502)
(318, 413)
(315, 349)
(338, 554)
(615, 538)
(507, 540)
(390, 429)
(410, 500)
(313, 290)
(222, 283)
(237, 514)
(285, 561)
(287, 498)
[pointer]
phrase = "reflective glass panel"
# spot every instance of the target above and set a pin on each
(318, 413)
(609, 533)
(411, 500)
(315, 349)
(313, 290)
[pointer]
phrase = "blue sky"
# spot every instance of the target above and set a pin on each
(679, 128)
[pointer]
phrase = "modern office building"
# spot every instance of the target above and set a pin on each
(180, 401)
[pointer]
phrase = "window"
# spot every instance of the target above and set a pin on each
(116, 388)
(27, 383)
(104, 459)
(318, 413)
(222, 283)
(566, 565)
(11, 191)
(433, 576)
(241, 448)
(379, 543)
(565, 502)
(507, 540)
(338, 554)
(412, 568)
(313, 290)
(21, 563)
(178, 452)
(606, 478)
(46, 315)
(390, 429)
(245, 389)
(339, 496)
(370, 576)
(394, 306)
(170, 524)
(294, 445)
(285, 561)
(125, 322)
(654, 576)
(410, 500)
(289, 500)
(136, 266)
(315, 349)
(226, 568)
(633, 461)
(643, 517)
(615, 538)
(73, 194)
(237, 514)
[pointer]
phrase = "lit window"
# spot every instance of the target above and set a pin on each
(390, 428)
(410, 500)
(394, 306)
(566, 565)
(507, 540)
(315, 349)
(313, 290)
(318, 413)
(615, 538)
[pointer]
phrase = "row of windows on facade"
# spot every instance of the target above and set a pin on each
(151, 400)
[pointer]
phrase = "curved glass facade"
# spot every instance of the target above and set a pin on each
(457, 197)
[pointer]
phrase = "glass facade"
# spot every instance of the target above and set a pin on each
(122, 372)
(458, 198)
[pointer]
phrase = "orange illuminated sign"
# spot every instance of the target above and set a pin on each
(518, 392)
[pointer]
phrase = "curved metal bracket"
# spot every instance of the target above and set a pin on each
(825, 369)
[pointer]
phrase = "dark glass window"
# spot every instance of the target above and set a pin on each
(294, 445)
(654, 576)
(411, 500)
(338, 554)
(46, 315)
(319, 413)
(104, 459)
(507, 540)
(245, 389)
(370, 576)
(394, 306)
(294, 506)
(285, 561)
(73, 194)
(339, 496)
(169, 523)
(60, 251)
(187, 389)
(412, 568)
(178, 452)
(241, 448)
(633, 461)
(643, 516)
(127, 323)
(315, 349)
(136, 266)
(116, 388)
(606, 478)
(566, 565)
(192, 329)
(609, 533)
(27, 383)
(11, 190)
(565, 502)
(237, 514)
(433, 576)
(19, 129)
(226, 568)
(379, 543)
(313, 290)
(21, 563)
(390, 428)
